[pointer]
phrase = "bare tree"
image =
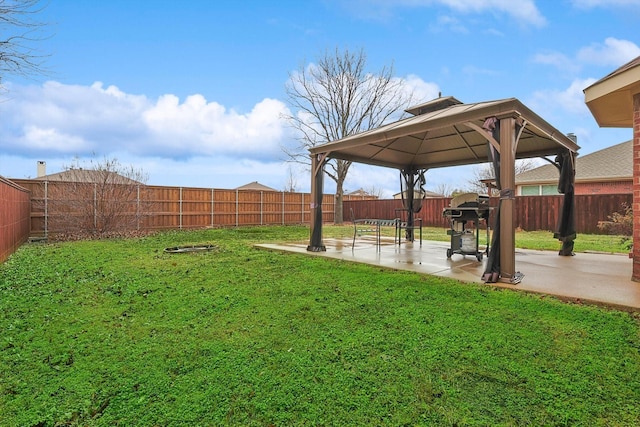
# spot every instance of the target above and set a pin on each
(100, 200)
(482, 175)
(291, 186)
(374, 191)
(19, 30)
(336, 98)
(445, 189)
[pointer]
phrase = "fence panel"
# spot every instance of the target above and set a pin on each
(531, 212)
(160, 208)
(15, 217)
(249, 207)
(537, 212)
(164, 208)
(590, 209)
(196, 207)
(430, 212)
(328, 207)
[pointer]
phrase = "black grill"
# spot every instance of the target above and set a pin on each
(465, 213)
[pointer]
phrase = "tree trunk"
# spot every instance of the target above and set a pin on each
(338, 216)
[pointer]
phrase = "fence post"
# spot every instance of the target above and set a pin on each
(237, 208)
(138, 208)
(283, 208)
(261, 207)
(180, 208)
(95, 206)
(212, 208)
(302, 207)
(46, 209)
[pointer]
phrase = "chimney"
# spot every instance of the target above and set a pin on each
(572, 136)
(42, 168)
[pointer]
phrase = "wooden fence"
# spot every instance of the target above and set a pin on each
(15, 209)
(532, 212)
(159, 208)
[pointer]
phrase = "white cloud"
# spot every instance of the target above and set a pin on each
(449, 23)
(613, 52)
(523, 11)
(557, 60)
(422, 91)
(570, 100)
(588, 4)
(50, 140)
(63, 118)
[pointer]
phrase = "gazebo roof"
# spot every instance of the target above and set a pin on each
(610, 99)
(449, 135)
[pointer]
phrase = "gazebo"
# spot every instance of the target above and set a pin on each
(614, 101)
(446, 132)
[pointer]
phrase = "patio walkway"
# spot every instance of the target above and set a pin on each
(601, 279)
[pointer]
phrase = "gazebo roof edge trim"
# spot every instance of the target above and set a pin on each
(445, 117)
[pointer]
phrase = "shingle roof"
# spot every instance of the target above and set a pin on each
(255, 186)
(611, 163)
(631, 64)
(88, 175)
(610, 99)
(358, 192)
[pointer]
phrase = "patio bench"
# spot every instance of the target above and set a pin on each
(370, 226)
(403, 224)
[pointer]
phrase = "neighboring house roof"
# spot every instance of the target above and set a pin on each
(608, 164)
(256, 186)
(360, 193)
(88, 175)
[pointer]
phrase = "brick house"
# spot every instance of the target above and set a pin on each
(614, 101)
(607, 171)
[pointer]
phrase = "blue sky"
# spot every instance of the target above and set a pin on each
(193, 92)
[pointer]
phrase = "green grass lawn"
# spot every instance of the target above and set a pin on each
(538, 240)
(117, 332)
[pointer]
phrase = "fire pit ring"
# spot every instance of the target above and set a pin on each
(189, 248)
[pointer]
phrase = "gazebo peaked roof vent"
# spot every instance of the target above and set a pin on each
(433, 105)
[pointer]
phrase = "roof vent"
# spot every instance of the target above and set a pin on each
(433, 105)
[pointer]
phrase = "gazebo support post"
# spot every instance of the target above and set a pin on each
(408, 175)
(317, 174)
(507, 195)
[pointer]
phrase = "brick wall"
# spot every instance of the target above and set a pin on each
(613, 187)
(636, 187)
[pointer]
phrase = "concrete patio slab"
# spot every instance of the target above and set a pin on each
(603, 279)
